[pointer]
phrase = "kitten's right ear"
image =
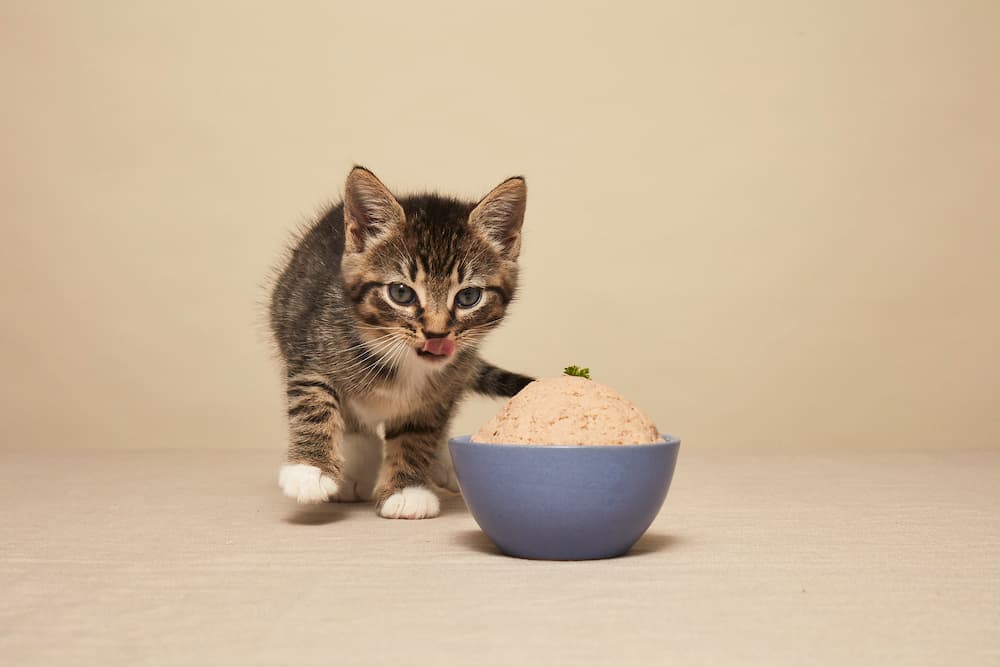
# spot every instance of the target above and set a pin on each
(370, 210)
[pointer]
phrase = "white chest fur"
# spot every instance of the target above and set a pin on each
(401, 398)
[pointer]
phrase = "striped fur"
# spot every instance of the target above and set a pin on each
(493, 381)
(354, 357)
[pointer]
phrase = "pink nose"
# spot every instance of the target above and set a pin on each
(442, 347)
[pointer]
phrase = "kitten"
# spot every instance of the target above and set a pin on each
(378, 316)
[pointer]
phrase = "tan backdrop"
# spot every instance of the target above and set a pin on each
(767, 223)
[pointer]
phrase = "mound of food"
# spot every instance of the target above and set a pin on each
(568, 410)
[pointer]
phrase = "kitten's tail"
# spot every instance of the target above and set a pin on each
(493, 381)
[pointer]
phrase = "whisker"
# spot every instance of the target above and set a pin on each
(377, 328)
(376, 355)
(376, 344)
(362, 363)
(371, 376)
(480, 328)
(368, 344)
(353, 373)
(392, 357)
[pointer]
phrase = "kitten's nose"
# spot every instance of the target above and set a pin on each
(433, 334)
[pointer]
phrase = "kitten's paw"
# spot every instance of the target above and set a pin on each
(351, 491)
(306, 484)
(413, 502)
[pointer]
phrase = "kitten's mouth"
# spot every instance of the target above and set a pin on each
(437, 348)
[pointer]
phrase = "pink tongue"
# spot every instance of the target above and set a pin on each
(441, 346)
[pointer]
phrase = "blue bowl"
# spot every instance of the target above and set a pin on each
(565, 502)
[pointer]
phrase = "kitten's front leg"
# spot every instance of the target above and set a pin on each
(314, 471)
(404, 488)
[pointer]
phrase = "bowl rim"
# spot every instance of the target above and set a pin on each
(666, 442)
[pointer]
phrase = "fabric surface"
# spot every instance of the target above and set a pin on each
(192, 557)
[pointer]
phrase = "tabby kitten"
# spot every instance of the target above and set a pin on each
(378, 316)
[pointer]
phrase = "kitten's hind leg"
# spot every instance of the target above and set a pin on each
(314, 471)
(443, 470)
(404, 488)
(362, 454)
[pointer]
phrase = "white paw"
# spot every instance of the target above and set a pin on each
(413, 502)
(306, 483)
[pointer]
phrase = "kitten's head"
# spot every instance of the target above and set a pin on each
(429, 276)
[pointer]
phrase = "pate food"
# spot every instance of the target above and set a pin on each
(568, 410)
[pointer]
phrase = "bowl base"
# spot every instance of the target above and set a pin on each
(563, 555)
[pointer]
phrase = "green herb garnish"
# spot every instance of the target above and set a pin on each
(577, 371)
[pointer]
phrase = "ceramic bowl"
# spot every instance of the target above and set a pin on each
(564, 502)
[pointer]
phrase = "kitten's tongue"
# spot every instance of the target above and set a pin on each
(443, 347)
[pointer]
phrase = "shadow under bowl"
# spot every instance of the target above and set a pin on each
(564, 502)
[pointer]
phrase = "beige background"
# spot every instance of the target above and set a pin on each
(768, 223)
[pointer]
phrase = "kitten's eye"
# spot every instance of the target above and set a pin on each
(468, 297)
(402, 294)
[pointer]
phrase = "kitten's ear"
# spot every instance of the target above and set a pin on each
(500, 214)
(370, 210)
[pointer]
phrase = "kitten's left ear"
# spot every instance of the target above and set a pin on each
(500, 214)
(370, 210)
